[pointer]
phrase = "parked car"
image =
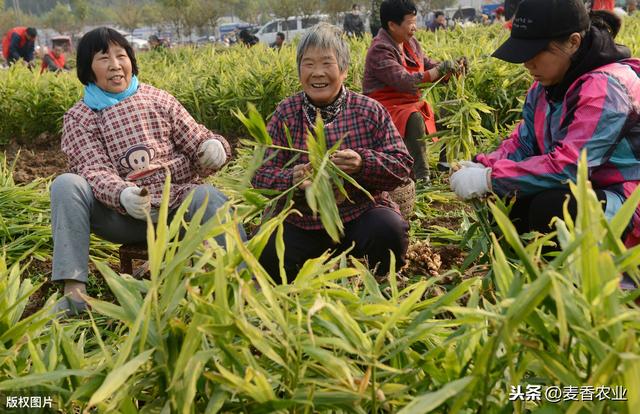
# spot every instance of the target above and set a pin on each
(228, 28)
(291, 27)
(139, 44)
(460, 15)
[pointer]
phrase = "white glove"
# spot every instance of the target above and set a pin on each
(134, 203)
(470, 164)
(470, 183)
(212, 154)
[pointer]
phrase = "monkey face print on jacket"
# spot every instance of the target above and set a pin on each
(138, 158)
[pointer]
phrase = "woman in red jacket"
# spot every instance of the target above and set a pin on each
(54, 61)
(19, 43)
(395, 67)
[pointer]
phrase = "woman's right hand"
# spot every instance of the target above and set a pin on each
(302, 172)
(447, 67)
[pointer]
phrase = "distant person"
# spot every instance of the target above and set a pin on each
(247, 38)
(19, 43)
(155, 43)
(603, 5)
(54, 61)
(499, 16)
(631, 7)
(438, 22)
(374, 19)
(353, 24)
(279, 41)
(120, 139)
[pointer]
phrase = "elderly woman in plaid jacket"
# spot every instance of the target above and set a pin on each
(372, 152)
(120, 140)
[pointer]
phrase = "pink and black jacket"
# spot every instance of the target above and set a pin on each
(599, 114)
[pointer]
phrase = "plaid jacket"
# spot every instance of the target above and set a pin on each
(131, 142)
(367, 129)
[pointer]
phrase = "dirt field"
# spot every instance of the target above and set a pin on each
(40, 160)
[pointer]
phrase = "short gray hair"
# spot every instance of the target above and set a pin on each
(325, 36)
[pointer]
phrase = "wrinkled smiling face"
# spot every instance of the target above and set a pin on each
(320, 76)
(112, 69)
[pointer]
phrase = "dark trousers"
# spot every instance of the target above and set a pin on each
(374, 233)
(414, 140)
(534, 213)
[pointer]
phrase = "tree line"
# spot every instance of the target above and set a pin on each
(183, 16)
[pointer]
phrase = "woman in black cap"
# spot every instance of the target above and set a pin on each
(586, 96)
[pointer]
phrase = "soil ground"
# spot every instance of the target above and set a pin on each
(42, 160)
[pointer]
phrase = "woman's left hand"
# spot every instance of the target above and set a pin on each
(211, 154)
(447, 68)
(348, 161)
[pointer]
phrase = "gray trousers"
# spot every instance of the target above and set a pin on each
(75, 213)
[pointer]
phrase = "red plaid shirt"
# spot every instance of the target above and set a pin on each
(369, 131)
(139, 135)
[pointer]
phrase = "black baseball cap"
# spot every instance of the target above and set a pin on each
(537, 23)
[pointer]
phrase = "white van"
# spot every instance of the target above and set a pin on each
(293, 27)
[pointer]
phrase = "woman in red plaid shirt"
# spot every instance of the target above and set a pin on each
(372, 152)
